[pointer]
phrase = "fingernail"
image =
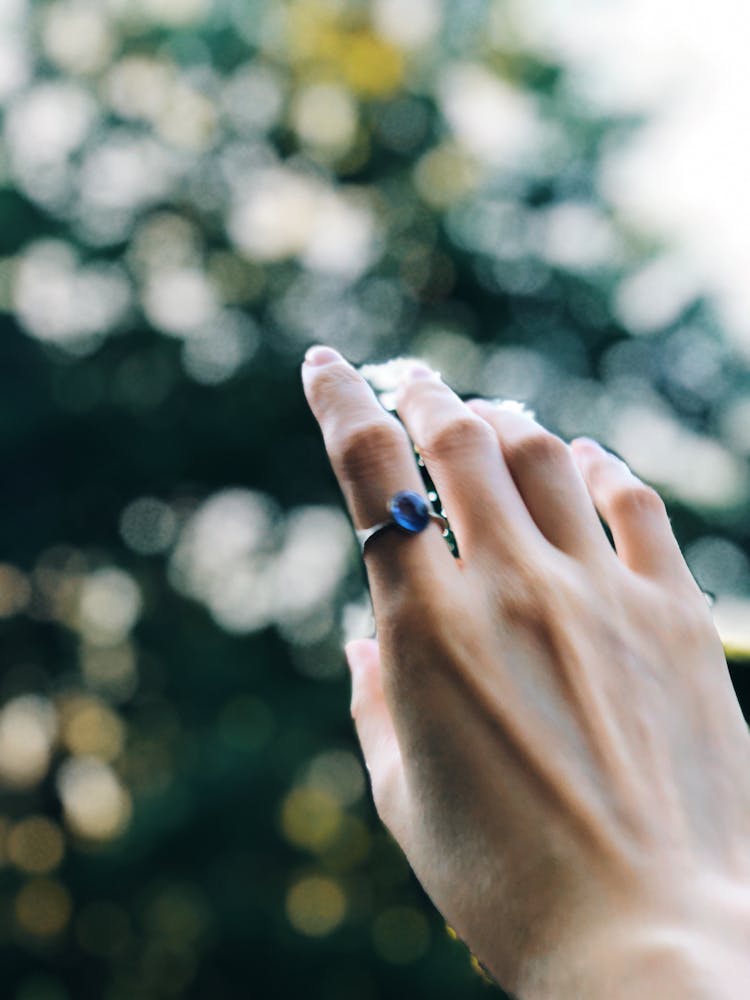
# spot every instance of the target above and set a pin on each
(586, 442)
(417, 372)
(320, 355)
(586, 446)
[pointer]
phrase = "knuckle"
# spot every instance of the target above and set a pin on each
(536, 448)
(357, 450)
(526, 591)
(633, 498)
(464, 433)
(699, 627)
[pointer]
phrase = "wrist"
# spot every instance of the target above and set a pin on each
(669, 963)
(701, 954)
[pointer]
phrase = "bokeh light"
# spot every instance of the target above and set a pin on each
(89, 727)
(148, 526)
(316, 905)
(311, 817)
(15, 591)
(110, 604)
(28, 728)
(96, 806)
(35, 845)
(43, 908)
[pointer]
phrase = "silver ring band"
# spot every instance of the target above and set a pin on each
(364, 535)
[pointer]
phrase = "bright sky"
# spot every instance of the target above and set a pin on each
(686, 174)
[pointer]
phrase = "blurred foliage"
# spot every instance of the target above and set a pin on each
(193, 191)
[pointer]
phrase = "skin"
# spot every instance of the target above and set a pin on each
(548, 722)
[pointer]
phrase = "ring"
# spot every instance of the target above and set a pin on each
(409, 512)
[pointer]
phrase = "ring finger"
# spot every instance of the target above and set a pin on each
(548, 479)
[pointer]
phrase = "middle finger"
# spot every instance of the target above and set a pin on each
(464, 459)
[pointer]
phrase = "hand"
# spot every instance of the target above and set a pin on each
(549, 725)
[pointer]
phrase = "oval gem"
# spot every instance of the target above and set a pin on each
(410, 511)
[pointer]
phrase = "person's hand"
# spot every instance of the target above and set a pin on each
(549, 725)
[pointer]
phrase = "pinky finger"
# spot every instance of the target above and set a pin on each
(634, 512)
(376, 733)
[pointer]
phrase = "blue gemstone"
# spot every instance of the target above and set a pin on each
(409, 511)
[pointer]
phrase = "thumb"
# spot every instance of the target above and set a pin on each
(375, 731)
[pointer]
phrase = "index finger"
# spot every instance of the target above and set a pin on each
(373, 459)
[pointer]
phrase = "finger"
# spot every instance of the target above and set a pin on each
(464, 460)
(635, 513)
(545, 472)
(373, 459)
(376, 732)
